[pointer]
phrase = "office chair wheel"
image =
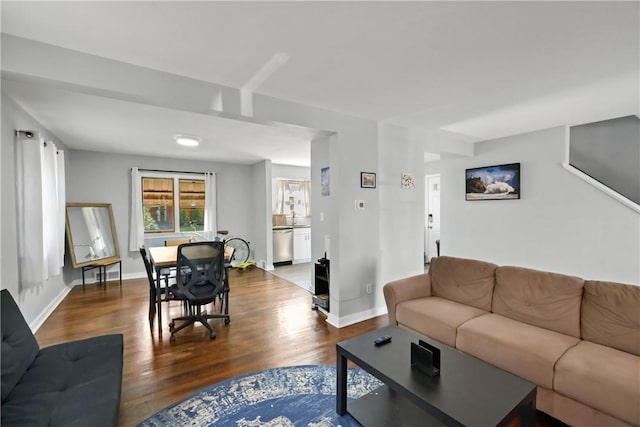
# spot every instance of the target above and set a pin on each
(172, 338)
(227, 321)
(212, 335)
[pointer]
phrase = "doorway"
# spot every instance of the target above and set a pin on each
(432, 217)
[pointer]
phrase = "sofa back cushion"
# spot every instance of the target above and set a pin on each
(539, 298)
(611, 315)
(466, 281)
(19, 346)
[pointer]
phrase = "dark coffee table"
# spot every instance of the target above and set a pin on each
(468, 391)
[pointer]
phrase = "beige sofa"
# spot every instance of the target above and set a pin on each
(578, 340)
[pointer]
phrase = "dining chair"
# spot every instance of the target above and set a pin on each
(164, 290)
(200, 279)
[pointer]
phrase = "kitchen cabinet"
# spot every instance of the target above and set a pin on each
(301, 244)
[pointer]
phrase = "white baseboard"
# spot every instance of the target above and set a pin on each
(341, 322)
(44, 315)
(127, 276)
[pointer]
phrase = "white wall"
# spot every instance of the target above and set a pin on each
(352, 149)
(35, 303)
(401, 210)
(262, 243)
(324, 213)
(432, 168)
(560, 224)
(106, 178)
(290, 172)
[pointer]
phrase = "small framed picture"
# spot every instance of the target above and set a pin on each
(367, 180)
(325, 189)
(407, 181)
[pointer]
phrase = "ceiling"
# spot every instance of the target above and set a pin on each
(95, 123)
(479, 69)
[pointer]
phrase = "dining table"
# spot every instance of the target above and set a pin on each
(162, 257)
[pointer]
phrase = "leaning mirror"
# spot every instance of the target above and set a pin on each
(91, 233)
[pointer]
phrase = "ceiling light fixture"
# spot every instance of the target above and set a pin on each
(187, 140)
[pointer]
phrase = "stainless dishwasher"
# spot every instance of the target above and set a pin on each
(282, 245)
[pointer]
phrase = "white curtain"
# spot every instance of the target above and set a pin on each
(62, 198)
(210, 216)
(40, 197)
(136, 224)
(307, 198)
(280, 197)
(296, 194)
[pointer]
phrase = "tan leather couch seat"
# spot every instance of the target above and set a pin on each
(524, 350)
(436, 317)
(602, 377)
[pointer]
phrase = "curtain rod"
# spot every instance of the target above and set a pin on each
(29, 135)
(170, 171)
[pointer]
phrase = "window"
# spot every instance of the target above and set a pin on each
(292, 198)
(161, 193)
(191, 204)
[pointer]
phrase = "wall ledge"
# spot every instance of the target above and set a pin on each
(600, 186)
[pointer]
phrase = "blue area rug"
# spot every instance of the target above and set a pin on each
(291, 396)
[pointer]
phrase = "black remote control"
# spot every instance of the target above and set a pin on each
(382, 340)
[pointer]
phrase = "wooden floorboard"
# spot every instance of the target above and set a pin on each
(272, 325)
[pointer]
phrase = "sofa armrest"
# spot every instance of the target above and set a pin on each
(403, 290)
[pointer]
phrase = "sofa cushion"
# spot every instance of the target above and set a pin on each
(70, 384)
(602, 377)
(539, 298)
(435, 317)
(611, 315)
(524, 350)
(19, 346)
(466, 281)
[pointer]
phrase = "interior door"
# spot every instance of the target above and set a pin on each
(432, 220)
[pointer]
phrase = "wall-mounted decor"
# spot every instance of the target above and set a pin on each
(367, 180)
(325, 189)
(501, 182)
(408, 182)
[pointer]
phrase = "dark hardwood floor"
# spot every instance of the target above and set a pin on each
(272, 325)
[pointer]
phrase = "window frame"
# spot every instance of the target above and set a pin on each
(176, 177)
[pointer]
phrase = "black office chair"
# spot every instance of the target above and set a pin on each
(152, 286)
(200, 279)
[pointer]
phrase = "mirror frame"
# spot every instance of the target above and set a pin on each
(74, 261)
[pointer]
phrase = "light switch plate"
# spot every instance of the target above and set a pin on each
(359, 205)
